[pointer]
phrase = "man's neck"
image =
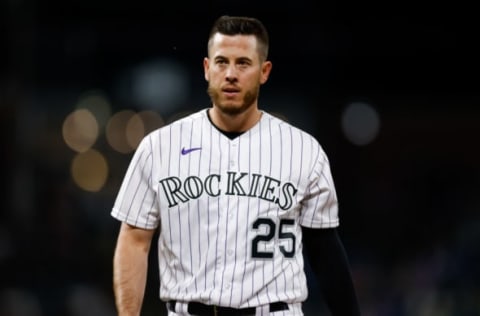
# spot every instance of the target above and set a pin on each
(234, 123)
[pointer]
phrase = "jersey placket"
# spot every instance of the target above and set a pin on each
(231, 219)
(233, 155)
(225, 252)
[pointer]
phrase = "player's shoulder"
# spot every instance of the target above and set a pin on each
(186, 117)
(153, 137)
(282, 123)
(179, 119)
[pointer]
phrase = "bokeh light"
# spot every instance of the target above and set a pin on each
(80, 130)
(134, 131)
(116, 131)
(98, 104)
(151, 120)
(89, 170)
(360, 123)
(140, 124)
(160, 84)
(126, 128)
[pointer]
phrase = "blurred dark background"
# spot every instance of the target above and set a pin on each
(391, 90)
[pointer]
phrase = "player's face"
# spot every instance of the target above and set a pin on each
(234, 72)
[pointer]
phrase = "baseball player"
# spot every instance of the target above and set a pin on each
(236, 195)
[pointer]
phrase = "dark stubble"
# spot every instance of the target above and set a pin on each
(230, 109)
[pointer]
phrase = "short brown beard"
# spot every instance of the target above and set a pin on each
(248, 101)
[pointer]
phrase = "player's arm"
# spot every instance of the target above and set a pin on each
(130, 263)
(329, 262)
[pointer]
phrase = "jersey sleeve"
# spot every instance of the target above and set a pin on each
(136, 202)
(320, 205)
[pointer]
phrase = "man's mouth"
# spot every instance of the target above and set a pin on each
(230, 92)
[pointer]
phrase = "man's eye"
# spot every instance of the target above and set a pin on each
(243, 63)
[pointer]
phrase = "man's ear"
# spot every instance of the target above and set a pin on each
(206, 66)
(266, 69)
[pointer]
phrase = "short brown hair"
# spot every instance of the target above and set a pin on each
(242, 25)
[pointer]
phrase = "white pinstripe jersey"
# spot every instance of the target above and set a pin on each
(229, 210)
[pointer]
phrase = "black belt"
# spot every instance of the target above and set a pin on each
(195, 308)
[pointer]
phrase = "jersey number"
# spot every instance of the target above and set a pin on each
(270, 234)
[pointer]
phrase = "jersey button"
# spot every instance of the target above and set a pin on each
(230, 252)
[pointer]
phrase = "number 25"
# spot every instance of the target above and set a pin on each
(270, 234)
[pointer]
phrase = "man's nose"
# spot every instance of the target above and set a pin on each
(231, 73)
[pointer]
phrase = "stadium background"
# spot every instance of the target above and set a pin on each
(390, 90)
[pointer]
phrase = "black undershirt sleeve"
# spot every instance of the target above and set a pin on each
(328, 260)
